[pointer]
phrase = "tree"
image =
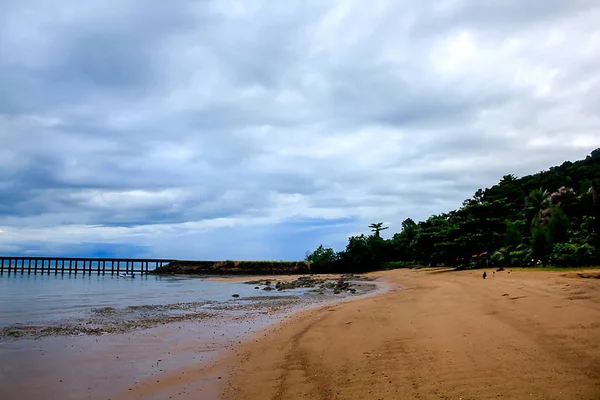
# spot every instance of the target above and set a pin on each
(403, 243)
(503, 256)
(378, 227)
(513, 236)
(408, 224)
(509, 179)
(322, 255)
(359, 255)
(553, 215)
(558, 224)
(572, 254)
(536, 203)
(322, 258)
(541, 244)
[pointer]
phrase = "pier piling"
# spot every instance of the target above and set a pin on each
(58, 265)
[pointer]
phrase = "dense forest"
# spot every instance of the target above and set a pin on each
(550, 218)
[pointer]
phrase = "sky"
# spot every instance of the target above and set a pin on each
(260, 129)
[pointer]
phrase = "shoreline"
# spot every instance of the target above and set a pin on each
(102, 320)
(429, 333)
(124, 364)
(209, 379)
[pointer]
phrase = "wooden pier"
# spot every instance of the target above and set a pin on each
(78, 265)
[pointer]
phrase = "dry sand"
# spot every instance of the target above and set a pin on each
(434, 335)
(443, 335)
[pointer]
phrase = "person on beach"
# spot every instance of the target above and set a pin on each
(484, 275)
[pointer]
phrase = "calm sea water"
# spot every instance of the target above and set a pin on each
(38, 298)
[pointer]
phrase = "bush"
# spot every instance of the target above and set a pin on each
(572, 254)
(397, 264)
(521, 257)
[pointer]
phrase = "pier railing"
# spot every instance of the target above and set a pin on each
(78, 265)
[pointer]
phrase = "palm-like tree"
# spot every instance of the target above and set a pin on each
(537, 201)
(503, 255)
(378, 227)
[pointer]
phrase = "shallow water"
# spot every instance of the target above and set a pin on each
(38, 298)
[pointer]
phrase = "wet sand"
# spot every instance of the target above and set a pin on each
(106, 366)
(102, 367)
(444, 335)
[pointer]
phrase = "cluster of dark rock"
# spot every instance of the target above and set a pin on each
(344, 283)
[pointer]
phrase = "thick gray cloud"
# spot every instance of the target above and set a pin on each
(254, 129)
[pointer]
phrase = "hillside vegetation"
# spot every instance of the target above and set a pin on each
(233, 268)
(552, 217)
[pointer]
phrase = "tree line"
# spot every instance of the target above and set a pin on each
(552, 217)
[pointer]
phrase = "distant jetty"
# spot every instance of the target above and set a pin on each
(117, 266)
(74, 265)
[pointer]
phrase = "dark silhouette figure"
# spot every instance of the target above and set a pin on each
(484, 275)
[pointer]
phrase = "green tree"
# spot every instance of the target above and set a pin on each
(537, 201)
(541, 245)
(378, 227)
(403, 242)
(359, 255)
(558, 224)
(552, 215)
(513, 235)
(503, 256)
(322, 255)
(323, 259)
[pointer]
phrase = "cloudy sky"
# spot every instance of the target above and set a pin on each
(260, 129)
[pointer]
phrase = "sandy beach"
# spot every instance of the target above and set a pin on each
(430, 334)
(436, 335)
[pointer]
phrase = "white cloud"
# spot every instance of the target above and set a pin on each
(454, 52)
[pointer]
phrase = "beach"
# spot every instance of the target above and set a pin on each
(425, 334)
(435, 335)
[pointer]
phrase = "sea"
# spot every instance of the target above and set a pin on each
(32, 299)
